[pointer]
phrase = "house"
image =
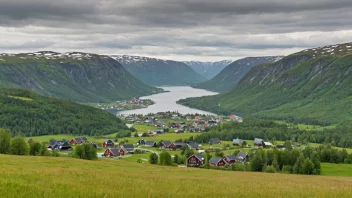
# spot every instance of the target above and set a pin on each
(229, 159)
(150, 144)
(94, 145)
(267, 144)
(258, 142)
(238, 142)
(216, 161)
(212, 123)
(112, 152)
(78, 140)
(159, 131)
(126, 148)
(242, 157)
(214, 141)
(165, 144)
(107, 143)
(193, 145)
(59, 145)
(195, 160)
(141, 142)
(176, 145)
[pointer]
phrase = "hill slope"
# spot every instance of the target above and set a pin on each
(66, 177)
(312, 86)
(233, 73)
(208, 69)
(158, 72)
(25, 112)
(75, 76)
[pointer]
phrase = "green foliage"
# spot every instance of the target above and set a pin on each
(257, 162)
(298, 168)
(5, 140)
(44, 116)
(35, 148)
(270, 169)
(188, 153)
(165, 158)
(176, 159)
(18, 146)
(135, 135)
(43, 150)
(153, 158)
(85, 151)
(308, 167)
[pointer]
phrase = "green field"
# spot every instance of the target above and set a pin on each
(336, 169)
(67, 177)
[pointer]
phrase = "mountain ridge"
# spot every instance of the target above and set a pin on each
(208, 69)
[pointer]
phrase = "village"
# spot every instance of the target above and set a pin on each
(114, 107)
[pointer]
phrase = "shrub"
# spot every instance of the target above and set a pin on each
(153, 158)
(5, 141)
(85, 151)
(18, 146)
(165, 158)
(34, 148)
(270, 169)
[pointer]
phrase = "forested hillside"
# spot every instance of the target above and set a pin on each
(159, 72)
(26, 113)
(312, 86)
(75, 76)
(232, 74)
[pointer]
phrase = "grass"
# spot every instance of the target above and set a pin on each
(67, 177)
(21, 98)
(336, 169)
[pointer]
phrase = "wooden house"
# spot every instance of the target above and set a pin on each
(217, 161)
(242, 157)
(258, 142)
(150, 144)
(112, 152)
(108, 143)
(193, 145)
(126, 148)
(214, 141)
(176, 145)
(238, 142)
(78, 140)
(59, 145)
(141, 142)
(195, 160)
(229, 159)
(165, 144)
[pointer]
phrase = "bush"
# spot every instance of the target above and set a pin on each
(85, 151)
(54, 153)
(34, 148)
(5, 141)
(18, 146)
(286, 169)
(270, 169)
(165, 158)
(153, 158)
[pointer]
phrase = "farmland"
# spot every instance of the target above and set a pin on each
(67, 177)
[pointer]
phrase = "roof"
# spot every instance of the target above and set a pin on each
(230, 157)
(241, 156)
(115, 151)
(258, 141)
(193, 145)
(268, 144)
(178, 143)
(215, 160)
(237, 141)
(84, 138)
(166, 143)
(128, 147)
(150, 143)
(107, 140)
(199, 156)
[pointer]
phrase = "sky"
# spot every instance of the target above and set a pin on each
(184, 30)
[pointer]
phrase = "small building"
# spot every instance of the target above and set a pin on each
(126, 148)
(112, 152)
(267, 144)
(195, 160)
(59, 145)
(141, 142)
(108, 143)
(229, 159)
(94, 145)
(193, 145)
(238, 142)
(214, 141)
(258, 142)
(78, 140)
(165, 144)
(159, 131)
(242, 157)
(176, 145)
(216, 161)
(150, 144)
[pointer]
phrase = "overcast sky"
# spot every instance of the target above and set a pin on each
(204, 30)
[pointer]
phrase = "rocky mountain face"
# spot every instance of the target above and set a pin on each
(232, 74)
(312, 86)
(75, 76)
(159, 72)
(208, 69)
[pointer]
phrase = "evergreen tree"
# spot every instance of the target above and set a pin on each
(257, 162)
(5, 140)
(18, 146)
(316, 161)
(298, 167)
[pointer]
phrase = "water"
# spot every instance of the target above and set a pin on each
(167, 101)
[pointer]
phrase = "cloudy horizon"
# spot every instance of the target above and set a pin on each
(182, 30)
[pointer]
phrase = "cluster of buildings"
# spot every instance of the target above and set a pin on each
(197, 160)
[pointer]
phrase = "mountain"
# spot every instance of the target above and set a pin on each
(233, 73)
(312, 86)
(28, 113)
(159, 72)
(75, 76)
(208, 69)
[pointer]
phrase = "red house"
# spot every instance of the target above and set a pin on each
(195, 160)
(229, 159)
(176, 145)
(112, 152)
(78, 140)
(216, 161)
(165, 144)
(126, 148)
(107, 143)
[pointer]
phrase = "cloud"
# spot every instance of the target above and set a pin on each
(175, 29)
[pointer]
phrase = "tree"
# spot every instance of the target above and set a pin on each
(316, 161)
(5, 140)
(308, 167)
(298, 167)
(276, 164)
(153, 158)
(176, 159)
(165, 158)
(136, 135)
(188, 153)
(18, 146)
(270, 169)
(43, 150)
(288, 145)
(34, 148)
(257, 162)
(85, 151)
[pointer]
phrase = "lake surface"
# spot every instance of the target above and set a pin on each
(167, 101)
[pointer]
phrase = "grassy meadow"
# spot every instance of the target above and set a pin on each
(67, 177)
